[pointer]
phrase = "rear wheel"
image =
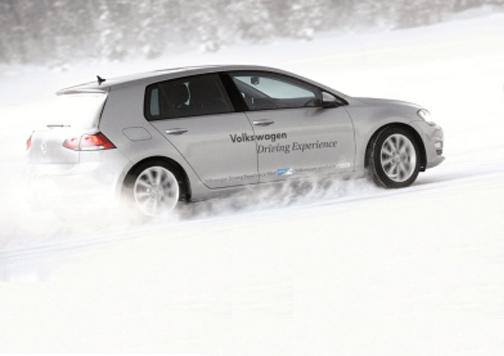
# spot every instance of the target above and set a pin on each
(394, 160)
(154, 188)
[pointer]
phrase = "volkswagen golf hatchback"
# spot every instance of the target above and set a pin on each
(196, 133)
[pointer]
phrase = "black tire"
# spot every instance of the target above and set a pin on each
(154, 188)
(394, 158)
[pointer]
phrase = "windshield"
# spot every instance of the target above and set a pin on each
(81, 110)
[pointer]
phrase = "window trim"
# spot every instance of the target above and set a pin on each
(234, 94)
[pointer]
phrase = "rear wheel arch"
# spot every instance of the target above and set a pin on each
(168, 163)
(411, 130)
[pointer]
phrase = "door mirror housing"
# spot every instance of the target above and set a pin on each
(330, 101)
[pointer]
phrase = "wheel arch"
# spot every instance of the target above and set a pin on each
(411, 130)
(185, 182)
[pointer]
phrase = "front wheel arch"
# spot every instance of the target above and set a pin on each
(412, 131)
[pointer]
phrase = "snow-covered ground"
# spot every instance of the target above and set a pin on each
(343, 269)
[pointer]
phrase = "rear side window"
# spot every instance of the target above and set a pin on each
(192, 96)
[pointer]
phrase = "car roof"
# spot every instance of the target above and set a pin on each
(104, 86)
(107, 84)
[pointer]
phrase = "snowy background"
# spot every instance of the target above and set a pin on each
(345, 268)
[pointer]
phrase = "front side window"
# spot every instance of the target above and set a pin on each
(263, 91)
(192, 96)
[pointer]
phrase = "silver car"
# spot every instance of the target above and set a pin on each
(195, 133)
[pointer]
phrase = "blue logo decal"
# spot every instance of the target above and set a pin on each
(284, 172)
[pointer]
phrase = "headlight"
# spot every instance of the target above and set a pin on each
(424, 114)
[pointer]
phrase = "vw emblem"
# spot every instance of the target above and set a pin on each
(43, 147)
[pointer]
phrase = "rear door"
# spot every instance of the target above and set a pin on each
(295, 136)
(196, 116)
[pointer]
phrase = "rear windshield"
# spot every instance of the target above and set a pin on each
(76, 110)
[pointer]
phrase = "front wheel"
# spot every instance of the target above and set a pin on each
(394, 160)
(154, 189)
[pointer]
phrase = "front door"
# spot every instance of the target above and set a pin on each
(295, 136)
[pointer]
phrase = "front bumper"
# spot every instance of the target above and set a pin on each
(433, 139)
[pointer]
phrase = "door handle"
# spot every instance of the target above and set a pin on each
(176, 131)
(265, 122)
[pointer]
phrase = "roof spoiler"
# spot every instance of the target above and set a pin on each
(80, 91)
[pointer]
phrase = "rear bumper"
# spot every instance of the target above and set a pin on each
(95, 180)
(68, 192)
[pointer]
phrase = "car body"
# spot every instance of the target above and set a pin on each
(198, 132)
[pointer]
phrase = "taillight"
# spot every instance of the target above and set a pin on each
(88, 143)
(28, 143)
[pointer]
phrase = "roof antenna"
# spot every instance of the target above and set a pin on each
(100, 80)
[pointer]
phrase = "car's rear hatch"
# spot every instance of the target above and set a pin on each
(73, 115)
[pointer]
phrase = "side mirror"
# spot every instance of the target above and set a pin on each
(329, 101)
